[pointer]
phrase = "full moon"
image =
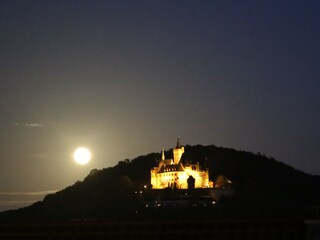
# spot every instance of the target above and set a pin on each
(82, 155)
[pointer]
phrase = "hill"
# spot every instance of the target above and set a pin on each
(263, 188)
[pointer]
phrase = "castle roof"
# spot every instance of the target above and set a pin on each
(171, 168)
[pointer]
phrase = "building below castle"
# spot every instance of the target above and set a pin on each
(172, 173)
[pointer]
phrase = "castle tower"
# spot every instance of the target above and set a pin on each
(162, 155)
(177, 152)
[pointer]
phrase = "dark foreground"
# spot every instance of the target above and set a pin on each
(227, 229)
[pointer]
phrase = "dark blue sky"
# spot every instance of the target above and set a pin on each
(125, 78)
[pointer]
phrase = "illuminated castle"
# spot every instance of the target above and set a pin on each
(172, 173)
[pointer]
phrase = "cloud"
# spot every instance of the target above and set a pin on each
(15, 204)
(11, 203)
(33, 125)
(27, 193)
(14, 200)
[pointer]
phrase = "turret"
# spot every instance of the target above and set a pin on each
(177, 152)
(178, 143)
(162, 155)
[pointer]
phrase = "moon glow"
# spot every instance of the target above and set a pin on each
(82, 155)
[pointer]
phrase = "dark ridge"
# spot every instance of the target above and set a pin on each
(263, 188)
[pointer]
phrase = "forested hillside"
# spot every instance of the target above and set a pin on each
(264, 188)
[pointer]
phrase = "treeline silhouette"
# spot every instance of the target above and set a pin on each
(263, 188)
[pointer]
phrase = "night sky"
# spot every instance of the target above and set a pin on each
(126, 78)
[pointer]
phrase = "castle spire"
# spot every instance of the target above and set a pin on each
(162, 155)
(178, 143)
